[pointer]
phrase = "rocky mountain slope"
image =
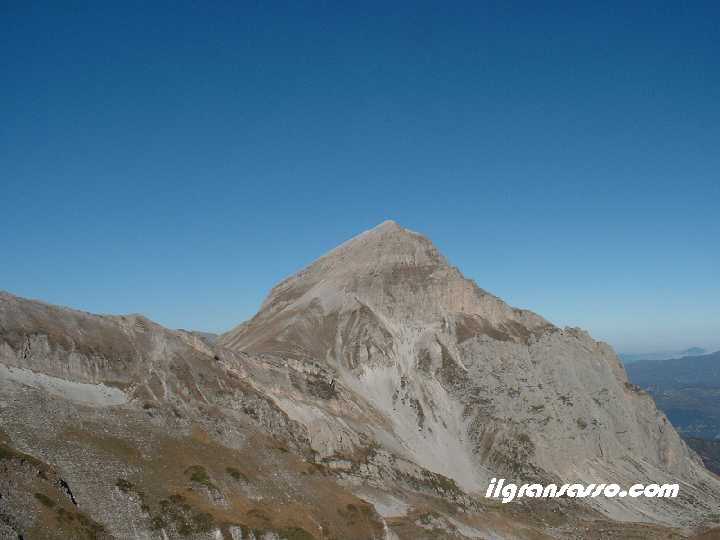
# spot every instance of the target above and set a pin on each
(461, 383)
(374, 395)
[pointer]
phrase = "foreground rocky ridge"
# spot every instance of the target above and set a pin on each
(372, 396)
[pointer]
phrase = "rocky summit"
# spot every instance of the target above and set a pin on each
(373, 396)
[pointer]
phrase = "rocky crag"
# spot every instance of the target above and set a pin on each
(373, 395)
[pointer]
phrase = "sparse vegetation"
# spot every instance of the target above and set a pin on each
(236, 474)
(77, 525)
(427, 518)
(8, 453)
(45, 500)
(355, 515)
(434, 482)
(295, 533)
(175, 512)
(199, 475)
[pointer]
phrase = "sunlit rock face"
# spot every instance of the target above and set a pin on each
(458, 381)
(373, 396)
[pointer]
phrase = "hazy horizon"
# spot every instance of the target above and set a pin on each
(180, 160)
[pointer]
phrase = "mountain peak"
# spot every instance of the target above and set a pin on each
(386, 244)
(379, 232)
(370, 259)
(388, 224)
(397, 274)
(453, 378)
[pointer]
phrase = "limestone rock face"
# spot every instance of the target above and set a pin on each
(373, 396)
(463, 384)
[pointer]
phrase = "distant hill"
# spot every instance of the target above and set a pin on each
(693, 370)
(686, 389)
(709, 451)
(629, 358)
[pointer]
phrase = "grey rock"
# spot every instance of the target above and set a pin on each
(374, 395)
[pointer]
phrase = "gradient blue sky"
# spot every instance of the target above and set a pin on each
(178, 159)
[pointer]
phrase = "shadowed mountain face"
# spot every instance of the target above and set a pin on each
(374, 395)
(686, 389)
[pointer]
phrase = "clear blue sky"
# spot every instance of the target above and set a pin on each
(177, 159)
